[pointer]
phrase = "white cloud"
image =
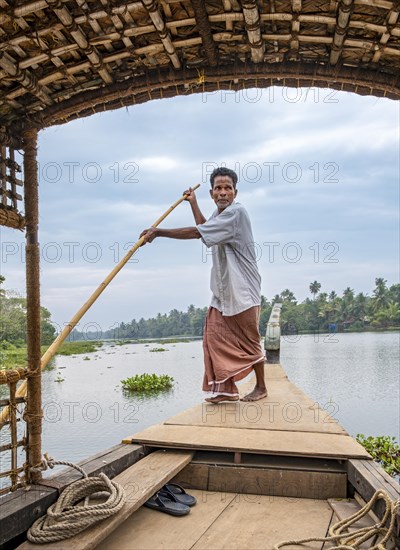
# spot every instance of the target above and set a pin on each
(158, 164)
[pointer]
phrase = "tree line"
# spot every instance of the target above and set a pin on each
(322, 312)
(13, 320)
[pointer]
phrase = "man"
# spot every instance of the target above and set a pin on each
(231, 341)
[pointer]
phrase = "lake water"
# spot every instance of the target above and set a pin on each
(355, 376)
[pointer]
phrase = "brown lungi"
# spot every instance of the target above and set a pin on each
(231, 348)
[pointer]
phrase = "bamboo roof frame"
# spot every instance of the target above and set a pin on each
(65, 59)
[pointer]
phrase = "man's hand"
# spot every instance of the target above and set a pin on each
(190, 195)
(149, 235)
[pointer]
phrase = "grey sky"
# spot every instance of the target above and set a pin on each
(318, 172)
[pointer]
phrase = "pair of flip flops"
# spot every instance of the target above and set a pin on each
(171, 499)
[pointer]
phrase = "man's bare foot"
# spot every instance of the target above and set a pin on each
(256, 394)
(220, 398)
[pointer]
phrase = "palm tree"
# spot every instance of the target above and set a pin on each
(332, 296)
(315, 287)
(276, 299)
(348, 294)
(381, 295)
(360, 304)
(288, 296)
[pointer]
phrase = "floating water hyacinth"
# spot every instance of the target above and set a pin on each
(147, 383)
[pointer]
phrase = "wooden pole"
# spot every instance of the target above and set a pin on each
(78, 316)
(33, 411)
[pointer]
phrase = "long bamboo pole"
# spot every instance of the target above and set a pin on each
(49, 354)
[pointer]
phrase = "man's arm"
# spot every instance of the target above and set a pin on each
(181, 233)
(197, 214)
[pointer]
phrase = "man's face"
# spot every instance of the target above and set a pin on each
(223, 192)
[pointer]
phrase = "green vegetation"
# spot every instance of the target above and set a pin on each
(12, 356)
(323, 313)
(13, 320)
(330, 312)
(75, 348)
(148, 383)
(157, 349)
(384, 450)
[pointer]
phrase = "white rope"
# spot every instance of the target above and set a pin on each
(350, 541)
(66, 517)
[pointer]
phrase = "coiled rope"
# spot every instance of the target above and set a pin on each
(66, 518)
(350, 541)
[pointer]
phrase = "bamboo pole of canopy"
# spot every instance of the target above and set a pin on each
(33, 410)
(49, 354)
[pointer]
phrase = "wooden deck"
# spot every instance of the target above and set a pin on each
(225, 521)
(262, 473)
(287, 422)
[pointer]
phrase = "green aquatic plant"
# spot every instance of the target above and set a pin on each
(384, 450)
(147, 383)
(158, 349)
(73, 348)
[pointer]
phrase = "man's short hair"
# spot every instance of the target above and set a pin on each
(222, 171)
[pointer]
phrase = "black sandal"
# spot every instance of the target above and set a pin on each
(163, 503)
(178, 494)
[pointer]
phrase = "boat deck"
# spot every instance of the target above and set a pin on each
(262, 473)
(255, 468)
(225, 521)
(286, 422)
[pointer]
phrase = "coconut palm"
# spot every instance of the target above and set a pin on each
(348, 294)
(288, 296)
(315, 287)
(381, 294)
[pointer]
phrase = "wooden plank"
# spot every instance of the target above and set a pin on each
(281, 483)
(388, 484)
(111, 462)
(224, 521)
(193, 476)
(273, 371)
(346, 508)
(251, 441)
(139, 532)
(272, 461)
(367, 477)
(343, 509)
(140, 482)
(258, 522)
(21, 508)
(286, 408)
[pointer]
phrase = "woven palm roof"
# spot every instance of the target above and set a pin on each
(64, 59)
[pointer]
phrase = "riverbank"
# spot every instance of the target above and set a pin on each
(14, 357)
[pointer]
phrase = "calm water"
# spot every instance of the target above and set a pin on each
(355, 375)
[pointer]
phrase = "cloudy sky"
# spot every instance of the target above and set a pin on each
(318, 172)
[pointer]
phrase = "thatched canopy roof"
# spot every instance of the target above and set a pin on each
(64, 59)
